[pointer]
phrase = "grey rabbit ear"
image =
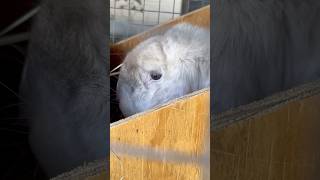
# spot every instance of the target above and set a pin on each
(159, 46)
(166, 46)
(155, 46)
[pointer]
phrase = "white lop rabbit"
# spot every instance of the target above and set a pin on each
(164, 67)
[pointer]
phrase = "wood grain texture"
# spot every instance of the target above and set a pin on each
(177, 126)
(130, 167)
(170, 142)
(280, 144)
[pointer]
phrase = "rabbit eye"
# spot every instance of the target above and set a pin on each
(155, 75)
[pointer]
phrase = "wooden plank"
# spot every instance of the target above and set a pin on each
(170, 142)
(130, 167)
(278, 142)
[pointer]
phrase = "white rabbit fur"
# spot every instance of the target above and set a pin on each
(181, 55)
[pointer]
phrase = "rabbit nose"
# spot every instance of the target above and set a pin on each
(129, 87)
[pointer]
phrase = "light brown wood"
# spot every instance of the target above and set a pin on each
(279, 141)
(181, 120)
(170, 142)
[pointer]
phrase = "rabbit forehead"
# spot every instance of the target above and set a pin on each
(143, 64)
(147, 56)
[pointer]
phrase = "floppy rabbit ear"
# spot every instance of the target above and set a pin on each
(171, 49)
(156, 47)
(156, 52)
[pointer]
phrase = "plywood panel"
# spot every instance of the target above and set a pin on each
(279, 142)
(170, 142)
(130, 167)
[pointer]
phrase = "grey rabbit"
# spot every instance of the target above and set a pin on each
(65, 84)
(164, 67)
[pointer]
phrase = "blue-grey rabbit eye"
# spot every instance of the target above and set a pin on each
(155, 75)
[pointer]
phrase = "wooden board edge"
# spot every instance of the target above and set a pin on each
(162, 106)
(266, 105)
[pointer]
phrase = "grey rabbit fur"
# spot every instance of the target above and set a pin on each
(65, 84)
(180, 58)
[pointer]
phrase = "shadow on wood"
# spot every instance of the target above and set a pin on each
(275, 138)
